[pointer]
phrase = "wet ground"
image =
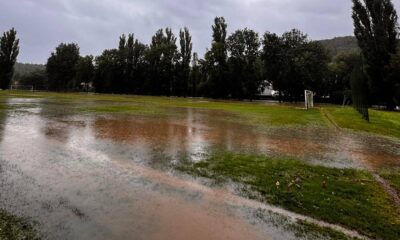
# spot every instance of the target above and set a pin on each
(110, 176)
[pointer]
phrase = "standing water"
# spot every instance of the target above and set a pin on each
(108, 176)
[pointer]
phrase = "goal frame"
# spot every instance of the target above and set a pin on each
(22, 87)
(309, 99)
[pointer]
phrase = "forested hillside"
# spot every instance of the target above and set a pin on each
(23, 69)
(340, 44)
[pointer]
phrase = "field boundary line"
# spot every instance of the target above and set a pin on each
(227, 197)
(329, 118)
(385, 185)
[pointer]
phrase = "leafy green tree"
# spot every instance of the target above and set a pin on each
(376, 29)
(215, 83)
(169, 59)
(340, 70)
(84, 72)
(312, 67)
(122, 78)
(394, 76)
(162, 56)
(129, 71)
(9, 50)
(154, 56)
(273, 56)
(293, 63)
(107, 70)
(181, 83)
(37, 78)
(244, 69)
(195, 75)
(126, 52)
(293, 47)
(61, 67)
(140, 66)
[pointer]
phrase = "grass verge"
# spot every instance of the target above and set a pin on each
(301, 229)
(347, 197)
(381, 122)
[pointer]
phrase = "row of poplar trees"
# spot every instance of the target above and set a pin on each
(236, 66)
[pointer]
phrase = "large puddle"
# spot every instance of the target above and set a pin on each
(105, 176)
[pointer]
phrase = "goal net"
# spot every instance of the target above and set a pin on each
(309, 99)
(22, 87)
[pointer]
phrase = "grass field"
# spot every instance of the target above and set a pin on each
(349, 197)
(382, 122)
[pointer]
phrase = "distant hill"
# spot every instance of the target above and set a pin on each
(340, 44)
(22, 69)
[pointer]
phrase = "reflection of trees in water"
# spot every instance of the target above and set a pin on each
(3, 121)
(54, 132)
(58, 119)
(160, 141)
(194, 135)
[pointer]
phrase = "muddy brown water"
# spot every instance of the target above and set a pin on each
(107, 176)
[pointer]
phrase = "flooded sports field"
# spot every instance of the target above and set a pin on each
(76, 173)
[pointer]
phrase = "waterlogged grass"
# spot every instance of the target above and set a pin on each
(135, 109)
(13, 228)
(381, 122)
(308, 230)
(301, 229)
(347, 197)
(252, 113)
(256, 113)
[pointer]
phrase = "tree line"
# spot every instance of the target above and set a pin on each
(239, 65)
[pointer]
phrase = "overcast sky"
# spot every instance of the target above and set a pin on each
(96, 24)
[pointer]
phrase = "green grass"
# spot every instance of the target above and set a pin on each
(13, 228)
(393, 177)
(381, 122)
(347, 197)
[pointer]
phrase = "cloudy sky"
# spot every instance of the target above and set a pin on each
(96, 24)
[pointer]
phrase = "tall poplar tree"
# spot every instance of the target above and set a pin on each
(9, 50)
(217, 58)
(376, 29)
(185, 54)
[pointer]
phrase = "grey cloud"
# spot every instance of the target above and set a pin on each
(96, 24)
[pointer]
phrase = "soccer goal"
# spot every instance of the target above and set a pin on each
(309, 99)
(22, 87)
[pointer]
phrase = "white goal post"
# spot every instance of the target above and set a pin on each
(22, 87)
(309, 99)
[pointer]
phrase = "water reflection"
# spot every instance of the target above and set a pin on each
(199, 133)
